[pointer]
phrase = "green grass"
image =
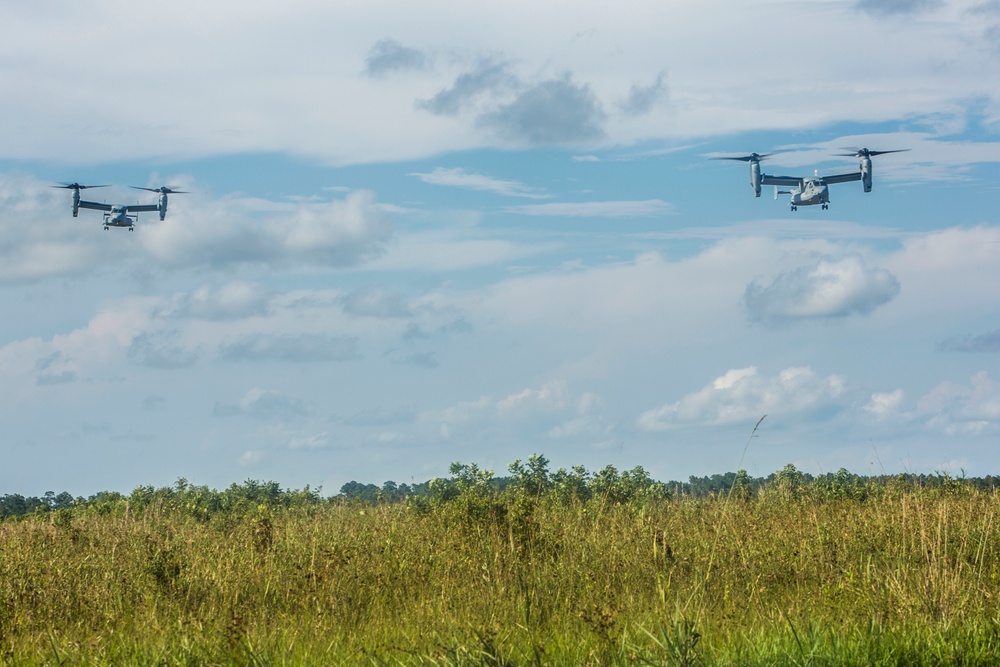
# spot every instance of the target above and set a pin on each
(907, 576)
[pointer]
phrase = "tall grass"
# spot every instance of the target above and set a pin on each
(907, 576)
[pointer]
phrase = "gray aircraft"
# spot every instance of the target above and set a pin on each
(119, 215)
(810, 191)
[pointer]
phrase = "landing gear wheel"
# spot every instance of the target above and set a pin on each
(825, 207)
(795, 208)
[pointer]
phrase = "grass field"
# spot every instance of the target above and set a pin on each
(784, 575)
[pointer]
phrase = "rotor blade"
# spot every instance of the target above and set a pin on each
(164, 190)
(747, 158)
(77, 186)
(864, 152)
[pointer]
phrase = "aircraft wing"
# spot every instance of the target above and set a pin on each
(95, 206)
(767, 179)
(842, 178)
(139, 208)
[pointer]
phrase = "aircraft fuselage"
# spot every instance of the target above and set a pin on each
(118, 217)
(813, 191)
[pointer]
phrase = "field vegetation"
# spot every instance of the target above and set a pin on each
(537, 568)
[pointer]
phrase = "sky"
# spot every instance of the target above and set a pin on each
(420, 233)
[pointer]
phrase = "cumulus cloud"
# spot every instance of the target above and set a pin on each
(218, 234)
(743, 395)
(265, 405)
(831, 288)
(550, 396)
(551, 409)
(884, 405)
(642, 99)
(388, 55)
(41, 239)
(301, 348)
(553, 112)
(460, 178)
(958, 409)
(487, 77)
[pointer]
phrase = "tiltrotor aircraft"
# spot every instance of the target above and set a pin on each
(119, 215)
(810, 191)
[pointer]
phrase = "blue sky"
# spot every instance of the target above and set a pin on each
(419, 234)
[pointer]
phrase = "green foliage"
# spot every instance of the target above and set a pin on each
(533, 479)
(572, 486)
(539, 568)
(544, 568)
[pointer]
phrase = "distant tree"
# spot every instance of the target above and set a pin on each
(572, 485)
(358, 491)
(532, 479)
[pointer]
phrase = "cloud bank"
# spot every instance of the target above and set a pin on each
(743, 395)
(832, 288)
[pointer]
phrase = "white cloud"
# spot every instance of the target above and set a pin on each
(743, 395)
(460, 178)
(42, 239)
(957, 409)
(884, 405)
(830, 288)
(65, 101)
(251, 457)
(551, 410)
(945, 271)
(551, 396)
(227, 232)
(237, 299)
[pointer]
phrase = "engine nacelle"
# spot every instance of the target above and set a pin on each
(76, 202)
(866, 173)
(163, 205)
(755, 176)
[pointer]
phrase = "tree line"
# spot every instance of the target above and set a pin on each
(533, 477)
